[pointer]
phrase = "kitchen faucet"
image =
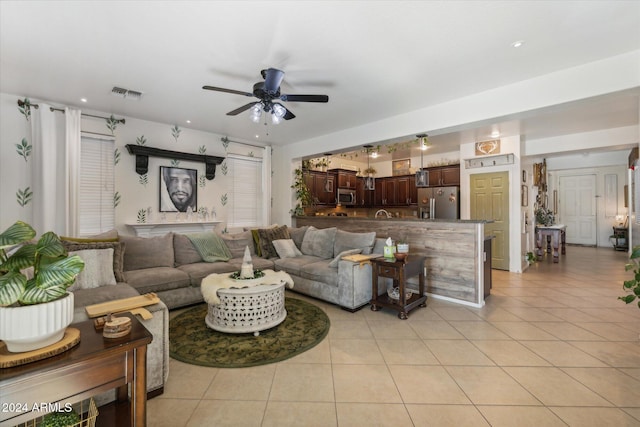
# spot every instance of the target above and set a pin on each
(384, 212)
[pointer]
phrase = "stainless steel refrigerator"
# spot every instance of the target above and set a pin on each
(439, 202)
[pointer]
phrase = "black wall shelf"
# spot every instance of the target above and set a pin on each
(143, 153)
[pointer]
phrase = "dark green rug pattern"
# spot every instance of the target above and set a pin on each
(192, 341)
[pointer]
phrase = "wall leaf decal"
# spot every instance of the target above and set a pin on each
(23, 197)
(24, 149)
(175, 132)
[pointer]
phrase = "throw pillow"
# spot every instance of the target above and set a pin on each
(268, 235)
(297, 234)
(237, 242)
(98, 269)
(118, 254)
(184, 251)
(334, 261)
(286, 248)
(319, 242)
(148, 252)
(347, 240)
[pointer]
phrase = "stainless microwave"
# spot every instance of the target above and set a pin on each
(346, 196)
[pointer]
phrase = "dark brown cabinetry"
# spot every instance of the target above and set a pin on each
(385, 192)
(444, 176)
(322, 187)
(346, 178)
(406, 191)
(364, 198)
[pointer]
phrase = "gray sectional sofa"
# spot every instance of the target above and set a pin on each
(172, 267)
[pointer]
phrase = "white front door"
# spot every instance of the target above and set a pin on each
(577, 208)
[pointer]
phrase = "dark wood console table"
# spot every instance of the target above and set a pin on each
(399, 271)
(94, 366)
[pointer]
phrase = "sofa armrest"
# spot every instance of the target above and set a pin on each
(354, 283)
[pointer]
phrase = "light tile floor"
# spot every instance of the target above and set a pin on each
(552, 347)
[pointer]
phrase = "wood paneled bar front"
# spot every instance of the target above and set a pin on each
(454, 250)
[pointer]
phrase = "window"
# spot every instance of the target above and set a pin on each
(96, 212)
(246, 191)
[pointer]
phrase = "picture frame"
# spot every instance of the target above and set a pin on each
(178, 189)
(524, 196)
(524, 176)
(401, 167)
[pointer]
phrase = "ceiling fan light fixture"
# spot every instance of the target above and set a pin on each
(256, 113)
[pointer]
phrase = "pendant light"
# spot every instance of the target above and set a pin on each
(422, 176)
(369, 181)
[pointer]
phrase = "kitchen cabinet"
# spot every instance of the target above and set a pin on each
(385, 192)
(346, 178)
(406, 191)
(315, 181)
(441, 176)
(364, 198)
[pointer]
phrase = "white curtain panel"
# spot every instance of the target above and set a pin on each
(45, 170)
(266, 185)
(73, 119)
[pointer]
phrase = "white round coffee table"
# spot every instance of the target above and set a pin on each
(249, 309)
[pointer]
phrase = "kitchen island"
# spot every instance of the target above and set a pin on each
(454, 251)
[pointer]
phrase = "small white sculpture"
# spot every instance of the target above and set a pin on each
(246, 272)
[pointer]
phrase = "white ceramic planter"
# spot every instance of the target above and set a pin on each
(403, 248)
(31, 327)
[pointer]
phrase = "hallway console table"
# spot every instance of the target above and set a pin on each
(551, 236)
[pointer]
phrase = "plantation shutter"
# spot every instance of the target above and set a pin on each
(96, 206)
(246, 194)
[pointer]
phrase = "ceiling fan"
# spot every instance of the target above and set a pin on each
(268, 92)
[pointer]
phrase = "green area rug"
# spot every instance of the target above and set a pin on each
(192, 341)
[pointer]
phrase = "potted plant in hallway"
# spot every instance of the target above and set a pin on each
(35, 307)
(633, 285)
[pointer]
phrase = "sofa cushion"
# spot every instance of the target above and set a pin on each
(319, 242)
(286, 248)
(118, 253)
(294, 265)
(237, 242)
(320, 272)
(297, 234)
(184, 251)
(97, 271)
(85, 297)
(157, 279)
(268, 235)
(148, 252)
(346, 240)
(200, 270)
(336, 259)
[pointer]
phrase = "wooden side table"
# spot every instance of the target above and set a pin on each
(399, 271)
(95, 365)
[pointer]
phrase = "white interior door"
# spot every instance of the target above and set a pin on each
(577, 208)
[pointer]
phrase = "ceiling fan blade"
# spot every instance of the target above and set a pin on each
(272, 79)
(241, 109)
(304, 98)
(221, 89)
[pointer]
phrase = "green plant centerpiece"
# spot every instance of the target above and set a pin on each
(632, 285)
(34, 274)
(544, 216)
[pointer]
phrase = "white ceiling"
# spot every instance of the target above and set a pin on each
(373, 59)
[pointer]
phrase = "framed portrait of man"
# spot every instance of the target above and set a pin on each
(178, 189)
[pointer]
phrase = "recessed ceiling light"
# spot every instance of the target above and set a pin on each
(188, 121)
(257, 136)
(517, 43)
(495, 134)
(83, 99)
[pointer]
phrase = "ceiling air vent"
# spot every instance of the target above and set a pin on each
(126, 93)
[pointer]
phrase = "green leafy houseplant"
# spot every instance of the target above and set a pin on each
(303, 194)
(633, 285)
(53, 270)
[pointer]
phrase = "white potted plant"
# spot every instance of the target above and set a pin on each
(35, 307)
